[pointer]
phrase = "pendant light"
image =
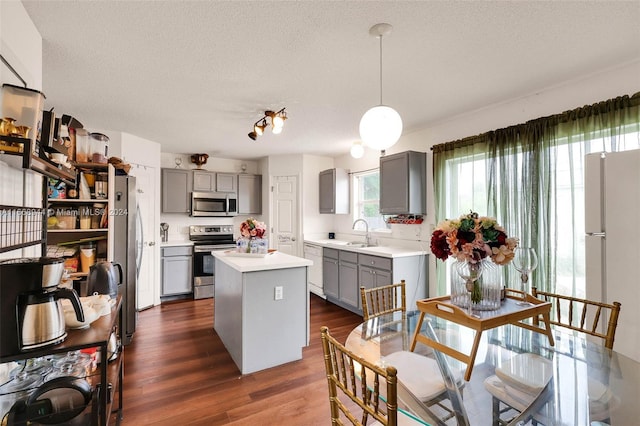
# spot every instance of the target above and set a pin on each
(380, 126)
(357, 150)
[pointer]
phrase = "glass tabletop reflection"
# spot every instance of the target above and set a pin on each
(575, 382)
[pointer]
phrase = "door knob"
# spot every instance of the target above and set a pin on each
(293, 238)
(151, 243)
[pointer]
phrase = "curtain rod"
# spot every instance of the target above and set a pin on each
(364, 171)
(601, 107)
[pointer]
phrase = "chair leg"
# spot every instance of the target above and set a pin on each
(496, 411)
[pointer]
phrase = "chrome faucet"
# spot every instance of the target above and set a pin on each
(367, 239)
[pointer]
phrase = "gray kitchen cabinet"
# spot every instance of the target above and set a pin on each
(344, 271)
(226, 182)
(348, 279)
(176, 191)
(330, 275)
(373, 277)
(334, 191)
(376, 271)
(340, 278)
(249, 194)
(177, 270)
(204, 181)
(403, 183)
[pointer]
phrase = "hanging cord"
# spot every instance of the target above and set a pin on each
(380, 69)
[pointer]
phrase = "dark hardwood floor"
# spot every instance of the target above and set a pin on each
(178, 372)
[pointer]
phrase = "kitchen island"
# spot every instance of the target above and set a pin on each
(261, 308)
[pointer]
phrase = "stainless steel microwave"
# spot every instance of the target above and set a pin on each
(214, 204)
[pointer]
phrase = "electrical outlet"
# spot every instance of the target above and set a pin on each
(278, 293)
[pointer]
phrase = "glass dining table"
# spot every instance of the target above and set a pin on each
(583, 383)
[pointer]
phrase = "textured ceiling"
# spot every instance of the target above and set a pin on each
(195, 75)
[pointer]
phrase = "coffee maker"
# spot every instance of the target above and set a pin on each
(30, 308)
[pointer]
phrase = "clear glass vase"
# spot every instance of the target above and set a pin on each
(490, 284)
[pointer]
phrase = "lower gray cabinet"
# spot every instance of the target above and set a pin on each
(330, 275)
(345, 271)
(348, 279)
(177, 270)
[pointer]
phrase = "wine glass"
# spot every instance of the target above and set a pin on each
(469, 272)
(525, 261)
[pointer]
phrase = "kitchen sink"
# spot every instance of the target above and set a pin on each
(358, 244)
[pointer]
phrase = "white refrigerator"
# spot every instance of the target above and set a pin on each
(612, 241)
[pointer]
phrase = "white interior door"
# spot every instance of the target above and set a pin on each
(285, 232)
(145, 190)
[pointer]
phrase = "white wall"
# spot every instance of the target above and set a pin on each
(21, 46)
(314, 225)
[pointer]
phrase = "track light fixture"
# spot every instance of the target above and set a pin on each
(277, 123)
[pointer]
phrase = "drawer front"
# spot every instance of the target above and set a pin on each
(348, 256)
(329, 252)
(374, 261)
(176, 251)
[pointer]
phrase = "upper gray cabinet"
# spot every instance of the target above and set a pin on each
(403, 183)
(226, 182)
(176, 190)
(249, 194)
(204, 181)
(334, 191)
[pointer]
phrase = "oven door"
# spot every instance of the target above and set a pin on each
(203, 266)
(204, 269)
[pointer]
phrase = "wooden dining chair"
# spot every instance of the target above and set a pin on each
(384, 300)
(418, 373)
(359, 390)
(581, 315)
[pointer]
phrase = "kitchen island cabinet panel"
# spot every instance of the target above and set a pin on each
(262, 309)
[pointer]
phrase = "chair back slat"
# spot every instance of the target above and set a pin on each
(361, 382)
(589, 321)
(383, 300)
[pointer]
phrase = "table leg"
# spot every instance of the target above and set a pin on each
(472, 355)
(414, 340)
(547, 327)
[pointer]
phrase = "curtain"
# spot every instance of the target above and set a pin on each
(530, 177)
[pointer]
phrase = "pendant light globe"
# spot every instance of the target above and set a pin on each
(357, 150)
(380, 126)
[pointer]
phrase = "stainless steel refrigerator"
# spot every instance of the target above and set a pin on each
(127, 238)
(612, 241)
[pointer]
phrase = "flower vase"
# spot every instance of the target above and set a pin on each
(486, 290)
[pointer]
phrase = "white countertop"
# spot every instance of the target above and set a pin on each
(174, 243)
(382, 251)
(275, 260)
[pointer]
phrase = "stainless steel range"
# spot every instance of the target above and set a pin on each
(208, 238)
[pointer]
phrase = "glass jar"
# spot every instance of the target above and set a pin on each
(99, 147)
